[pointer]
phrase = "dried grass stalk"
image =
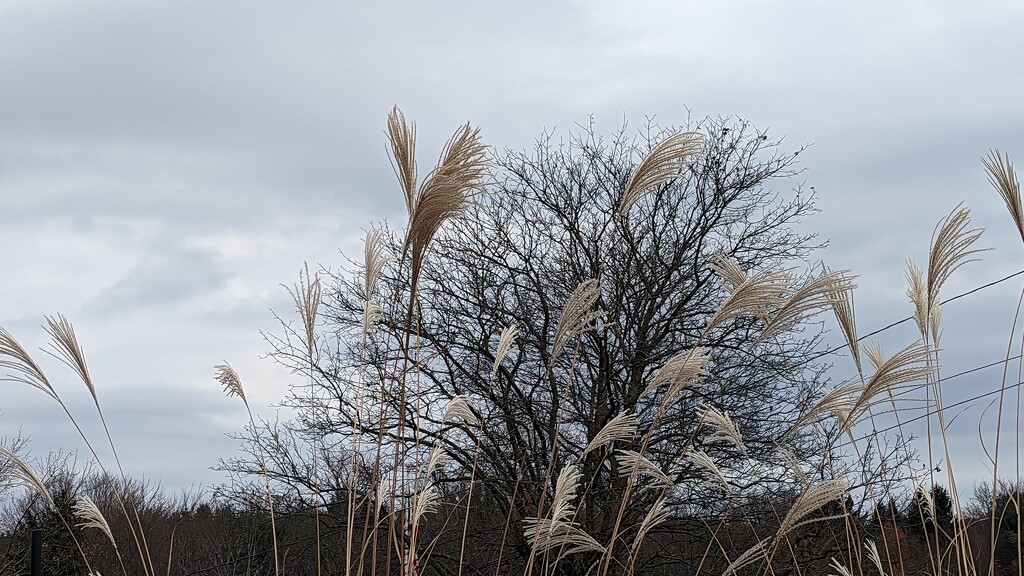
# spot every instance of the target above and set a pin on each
(618, 429)
(23, 368)
(578, 315)
(505, 341)
(663, 163)
(1004, 179)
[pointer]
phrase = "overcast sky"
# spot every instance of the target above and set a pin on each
(165, 167)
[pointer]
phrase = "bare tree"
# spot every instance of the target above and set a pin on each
(548, 222)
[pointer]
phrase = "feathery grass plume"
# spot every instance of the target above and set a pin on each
(813, 498)
(23, 472)
(619, 428)
(899, 371)
(445, 191)
(876, 559)
(951, 249)
(546, 534)
(759, 293)
(791, 462)
(816, 295)
(664, 162)
(656, 515)
(748, 557)
(725, 429)
(402, 154)
(566, 485)
(438, 457)
(459, 407)
(371, 316)
(917, 291)
(842, 307)
(838, 567)
(935, 323)
(578, 315)
(229, 379)
(307, 297)
(375, 256)
(1004, 179)
(427, 500)
(67, 350)
(505, 341)
(630, 460)
(839, 401)
(24, 369)
(87, 511)
(729, 270)
(700, 458)
(682, 370)
(383, 492)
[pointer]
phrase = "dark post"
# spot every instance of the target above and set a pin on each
(36, 564)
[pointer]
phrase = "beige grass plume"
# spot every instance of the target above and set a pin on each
(842, 306)
(307, 297)
(371, 316)
(840, 568)
(87, 511)
(444, 192)
(664, 162)
(726, 430)
(701, 458)
(917, 291)
(658, 514)
(755, 552)
(230, 380)
(375, 257)
(22, 367)
(620, 428)
(816, 295)
(458, 407)
(578, 315)
(685, 369)
(812, 499)
(23, 472)
(1004, 179)
(630, 460)
(876, 559)
(755, 295)
(505, 342)
(66, 349)
(558, 531)
(402, 154)
(951, 249)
